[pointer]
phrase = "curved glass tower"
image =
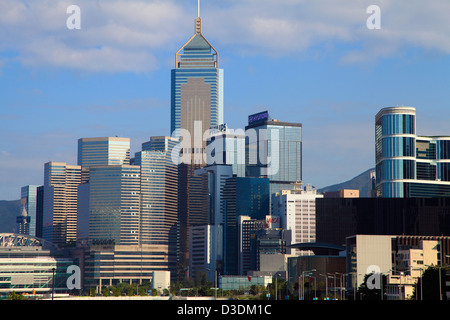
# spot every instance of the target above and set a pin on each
(395, 137)
(408, 165)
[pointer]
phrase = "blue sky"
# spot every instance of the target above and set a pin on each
(313, 62)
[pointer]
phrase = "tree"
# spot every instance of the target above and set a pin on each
(15, 296)
(105, 291)
(201, 279)
(116, 292)
(278, 289)
(370, 291)
(257, 290)
(428, 284)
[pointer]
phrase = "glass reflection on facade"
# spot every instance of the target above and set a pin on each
(408, 165)
(28, 200)
(274, 151)
(196, 88)
(158, 192)
(114, 204)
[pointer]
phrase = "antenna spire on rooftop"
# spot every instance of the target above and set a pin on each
(198, 20)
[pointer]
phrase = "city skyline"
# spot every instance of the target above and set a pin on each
(313, 63)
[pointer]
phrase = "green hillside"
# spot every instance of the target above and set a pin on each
(9, 210)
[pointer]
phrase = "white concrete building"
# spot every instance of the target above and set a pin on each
(402, 259)
(161, 280)
(297, 211)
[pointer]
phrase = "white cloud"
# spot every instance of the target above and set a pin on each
(48, 52)
(120, 35)
(115, 36)
(290, 27)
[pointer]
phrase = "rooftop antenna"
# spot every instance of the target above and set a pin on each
(198, 20)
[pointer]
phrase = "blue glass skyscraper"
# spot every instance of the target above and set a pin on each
(274, 151)
(196, 85)
(29, 202)
(242, 196)
(196, 106)
(408, 165)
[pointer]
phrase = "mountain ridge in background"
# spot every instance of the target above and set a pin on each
(9, 210)
(362, 182)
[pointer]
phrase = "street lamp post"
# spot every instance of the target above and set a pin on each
(326, 284)
(328, 276)
(315, 286)
(342, 286)
(302, 283)
(401, 287)
(53, 282)
(440, 283)
(276, 289)
(333, 276)
(215, 282)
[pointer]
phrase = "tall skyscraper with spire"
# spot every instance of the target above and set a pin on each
(196, 88)
(196, 106)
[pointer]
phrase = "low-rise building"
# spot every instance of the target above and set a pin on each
(402, 259)
(243, 282)
(28, 266)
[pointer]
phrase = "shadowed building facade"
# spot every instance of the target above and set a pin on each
(338, 218)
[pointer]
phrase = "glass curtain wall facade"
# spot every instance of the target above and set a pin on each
(159, 189)
(197, 89)
(248, 229)
(274, 151)
(103, 151)
(408, 165)
(114, 204)
(196, 106)
(213, 181)
(242, 196)
(226, 148)
(29, 201)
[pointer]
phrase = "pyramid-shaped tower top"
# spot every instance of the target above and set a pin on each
(197, 42)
